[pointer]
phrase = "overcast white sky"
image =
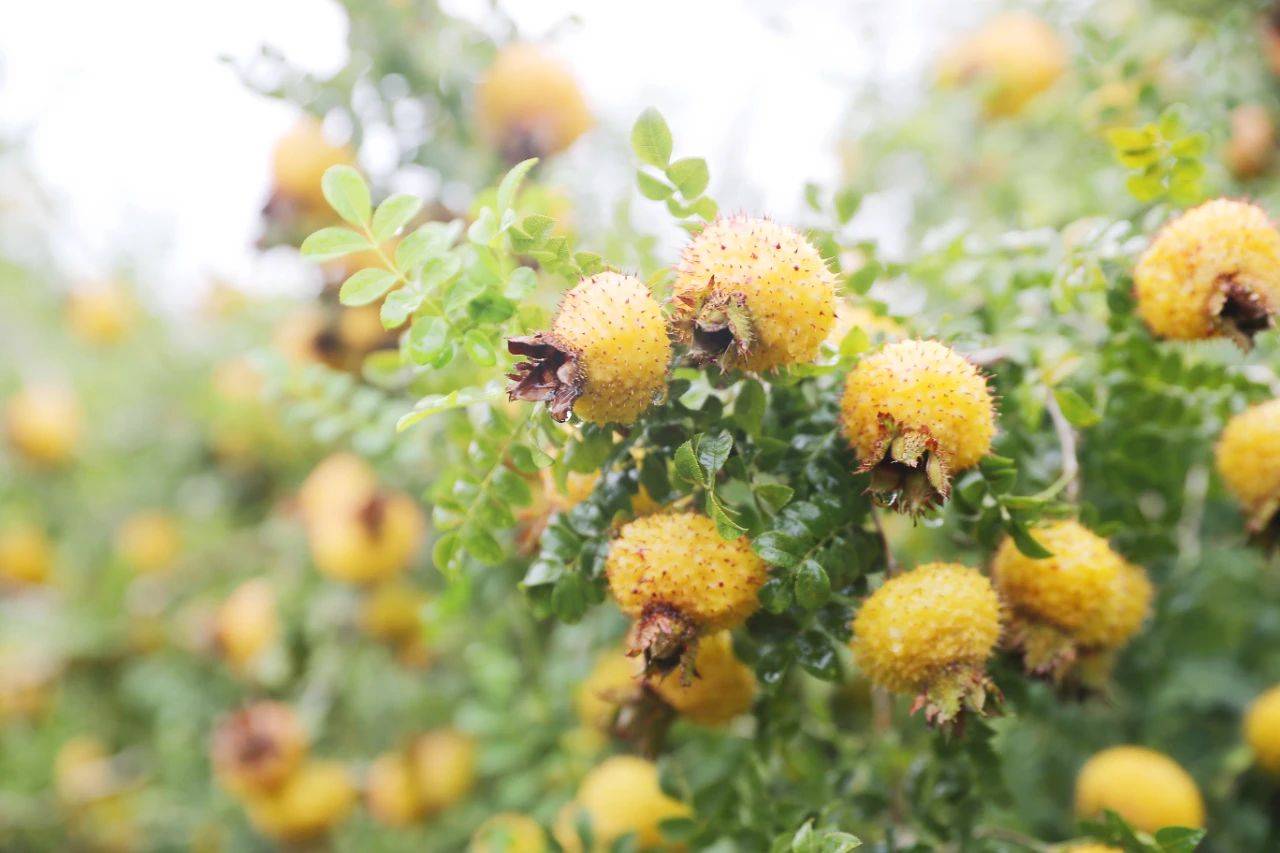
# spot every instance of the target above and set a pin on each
(157, 155)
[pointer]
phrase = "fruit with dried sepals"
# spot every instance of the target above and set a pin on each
(605, 357)
(753, 294)
(618, 797)
(391, 790)
(444, 764)
(509, 832)
(916, 413)
(312, 801)
(612, 683)
(1069, 612)
(257, 748)
(1146, 788)
(1262, 730)
(149, 541)
(341, 482)
(1248, 457)
(374, 542)
(1212, 272)
(679, 579)
(929, 632)
(43, 423)
(1013, 58)
(529, 104)
(26, 554)
(721, 688)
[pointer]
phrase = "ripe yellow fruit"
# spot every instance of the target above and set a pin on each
(1014, 57)
(529, 105)
(618, 797)
(82, 771)
(342, 482)
(299, 162)
(392, 613)
(100, 314)
(509, 832)
(391, 790)
(247, 623)
(1146, 788)
(680, 579)
(43, 422)
(257, 748)
(930, 632)
(444, 764)
(26, 554)
(149, 541)
(610, 685)
(1262, 730)
(26, 682)
(1248, 456)
(755, 293)
(313, 800)
(1251, 147)
(372, 544)
(916, 413)
(605, 357)
(1212, 272)
(721, 686)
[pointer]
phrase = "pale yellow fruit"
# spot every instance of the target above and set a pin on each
(43, 423)
(620, 796)
(529, 105)
(1262, 730)
(509, 832)
(26, 554)
(721, 686)
(444, 765)
(300, 160)
(1146, 788)
(313, 800)
(375, 543)
(257, 748)
(100, 314)
(391, 790)
(247, 623)
(149, 541)
(610, 684)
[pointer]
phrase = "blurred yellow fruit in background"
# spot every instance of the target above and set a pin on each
(149, 541)
(444, 766)
(312, 801)
(300, 159)
(43, 423)
(26, 553)
(247, 623)
(529, 104)
(101, 313)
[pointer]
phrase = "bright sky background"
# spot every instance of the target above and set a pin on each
(156, 155)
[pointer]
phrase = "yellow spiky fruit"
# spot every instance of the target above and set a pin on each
(372, 544)
(611, 684)
(680, 579)
(618, 797)
(1212, 272)
(26, 554)
(247, 623)
(43, 423)
(1262, 730)
(444, 765)
(300, 160)
(719, 688)
(391, 790)
(257, 748)
(528, 104)
(149, 541)
(605, 357)
(1083, 598)
(311, 802)
(929, 632)
(1248, 457)
(1146, 788)
(509, 832)
(916, 413)
(1251, 146)
(1013, 58)
(754, 293)
(100, 314)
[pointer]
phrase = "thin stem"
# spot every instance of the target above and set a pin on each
(890, 562)
(435, 306)
(1070, 477)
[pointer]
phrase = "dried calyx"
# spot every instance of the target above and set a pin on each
(373, 514)
(1264, 524)
(667, 640)
(719, 330)
(551, 374)
(643, 719)
(952, 696)
(1239, 312)
(908, 471)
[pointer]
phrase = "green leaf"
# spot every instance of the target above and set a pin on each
(537, 226)
(1179, 839)
(480, 348)
(436, 403)
(651, 139)
(482, 545)
(366, 286)
(444, 551)
(329, 243)
(726, 525)
(347, 194)
(1144, 187)
(813, 587)
(778, 549)
(569, 598)
(484, 229)
(687, 467)
(426, 241)
(854, 343)
(690, 175)
(399, 306)
(749, 407)
(713, 452)
(848, 200)
(427, 336)
(775, 595)
(705, 208)
(774, 495)
(652, 188)
(511, 181)
(1026, 543)
(1074, 407)
(393, 214)
(860, 280)
(1192, 146)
